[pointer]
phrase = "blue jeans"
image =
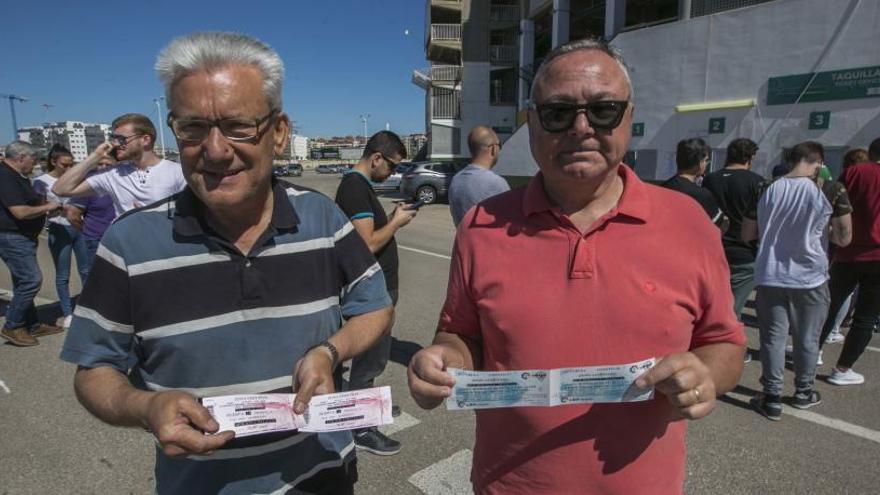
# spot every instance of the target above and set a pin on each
(20, 255)
(62, 240)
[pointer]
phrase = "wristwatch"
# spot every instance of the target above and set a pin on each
(333, 352)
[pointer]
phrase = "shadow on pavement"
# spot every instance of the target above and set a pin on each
(46, 313)
(402, 351)
(739, 403)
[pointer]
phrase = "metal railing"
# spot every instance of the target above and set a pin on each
(504, 13)
(445, 32)
(503, 54)
(445, 72)
(445, 103)
(707, 7)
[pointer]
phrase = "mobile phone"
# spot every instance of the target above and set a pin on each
(415, 206)
(114, 153)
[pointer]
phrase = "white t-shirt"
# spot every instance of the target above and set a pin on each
(131, 187)
(793, 218)
(43, 185)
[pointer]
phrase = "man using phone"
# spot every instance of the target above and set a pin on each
(356, 198)
(140, 179)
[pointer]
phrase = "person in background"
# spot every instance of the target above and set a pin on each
(22, 217)
(791, 220)
(92, 215)
(692, 160)
(65, 240)
(858, 265)
(477, 181)
(844, 314)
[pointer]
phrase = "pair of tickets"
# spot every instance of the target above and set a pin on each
(253, 414)
(530, 388)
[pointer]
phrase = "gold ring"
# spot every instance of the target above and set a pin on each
(696, 393)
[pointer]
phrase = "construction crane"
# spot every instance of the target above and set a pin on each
(12, 99)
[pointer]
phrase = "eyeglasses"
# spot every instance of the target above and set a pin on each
(120, 140)
(560, 117)
(195, 130)
(391, 164)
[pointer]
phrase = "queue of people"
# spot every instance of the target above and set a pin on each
(284, 285)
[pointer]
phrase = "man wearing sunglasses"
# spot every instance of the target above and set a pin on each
(586, 266)
(141, 177)
(355, 196)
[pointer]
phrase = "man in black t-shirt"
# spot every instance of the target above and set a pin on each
(355, 196)
(734, 188)
(22, 217)
(692, 158)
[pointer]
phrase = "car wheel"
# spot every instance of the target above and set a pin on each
(426, 194)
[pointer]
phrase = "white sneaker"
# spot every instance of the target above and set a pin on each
(819, 361)
(835, 338)
(848, 377)
(67, 320)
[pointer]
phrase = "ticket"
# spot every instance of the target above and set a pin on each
(265, 413)
(543, 388)
(490, 389)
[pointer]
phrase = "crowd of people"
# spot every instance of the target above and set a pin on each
(283, 284)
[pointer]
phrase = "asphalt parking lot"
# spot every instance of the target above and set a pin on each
(49, 444)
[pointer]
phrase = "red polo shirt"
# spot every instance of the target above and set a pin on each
(648, 279)
(863, 188)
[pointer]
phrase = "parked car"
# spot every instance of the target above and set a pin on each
(428, 181)
(392, 183)
(326, 169)
(290, 170)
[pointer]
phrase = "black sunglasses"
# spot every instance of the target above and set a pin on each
(560, 117)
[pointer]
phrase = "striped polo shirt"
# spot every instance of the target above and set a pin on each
(176, 306)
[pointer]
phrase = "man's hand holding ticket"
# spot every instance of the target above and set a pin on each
(264, 413)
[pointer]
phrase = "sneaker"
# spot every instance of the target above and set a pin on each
(42, 330)
(748, 357)
(373, 441)
(19, 337)
(848, 377)
(395, 411)
(768, 406)
(835, 338)
(819, 361)
(805, 399)
(67, 320)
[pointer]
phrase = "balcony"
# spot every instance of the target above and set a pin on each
(445, 103)
(447, 4)
(437, 75)
(504, 13)
(503, 54)
(444, 44)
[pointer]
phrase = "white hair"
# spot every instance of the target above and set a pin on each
(16, 149)
(578, 45)
(211, 50)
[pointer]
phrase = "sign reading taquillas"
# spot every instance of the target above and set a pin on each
(846, 84)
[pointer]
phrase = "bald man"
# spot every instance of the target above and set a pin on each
(477, 181)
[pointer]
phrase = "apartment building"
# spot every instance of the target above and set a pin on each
(79, 137)
(775, 71)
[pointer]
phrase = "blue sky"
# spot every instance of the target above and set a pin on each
(93, 60)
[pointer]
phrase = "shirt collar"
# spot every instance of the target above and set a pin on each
(634, 202)
(189, 219)
(359, 174)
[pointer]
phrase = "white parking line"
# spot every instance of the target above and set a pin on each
(451, 476)
(421, 251)
(836, 424)
(4, 388)
(401, 422)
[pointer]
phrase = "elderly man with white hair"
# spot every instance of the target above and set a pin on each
(237, 285)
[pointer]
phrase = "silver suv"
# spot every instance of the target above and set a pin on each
(428, 181)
